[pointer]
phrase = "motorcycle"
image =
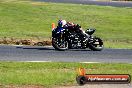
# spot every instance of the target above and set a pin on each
(63, 39)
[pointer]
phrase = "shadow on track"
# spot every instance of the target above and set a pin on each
(50, 48)
(37, 48)
(79, 50)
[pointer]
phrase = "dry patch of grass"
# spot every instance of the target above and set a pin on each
(38, 3)
(13, 41)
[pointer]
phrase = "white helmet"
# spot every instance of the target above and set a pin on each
(61, 23)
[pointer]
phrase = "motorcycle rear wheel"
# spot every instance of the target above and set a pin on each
(97, 44)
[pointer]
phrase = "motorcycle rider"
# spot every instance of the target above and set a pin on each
(76, 27)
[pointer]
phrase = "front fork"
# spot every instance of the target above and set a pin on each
(61, 37)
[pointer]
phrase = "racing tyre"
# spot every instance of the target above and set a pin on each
(59, 45)
(96, 44)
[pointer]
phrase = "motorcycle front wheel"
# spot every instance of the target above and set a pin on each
(60, 45)
(96, 44)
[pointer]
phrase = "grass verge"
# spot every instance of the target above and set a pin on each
(50, 74)
(25, 19)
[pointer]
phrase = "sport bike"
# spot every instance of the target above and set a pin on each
(63, 39)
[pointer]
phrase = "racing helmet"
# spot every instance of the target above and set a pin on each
(61, 23)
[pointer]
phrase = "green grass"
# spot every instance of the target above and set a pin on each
(51, 74)
(118, 44)
(28, 19)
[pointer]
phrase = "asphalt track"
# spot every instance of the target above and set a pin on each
(92, 2)
(47, 53)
